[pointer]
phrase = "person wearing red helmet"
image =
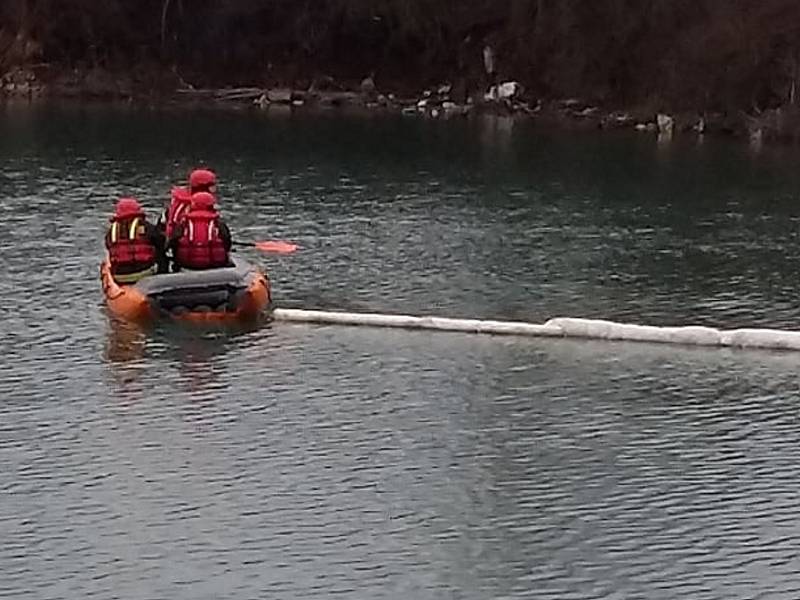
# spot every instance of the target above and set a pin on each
(135, 246)
(201, 239)
(200, 180)
(203, 180)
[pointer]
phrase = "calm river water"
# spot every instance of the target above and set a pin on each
(298, 461)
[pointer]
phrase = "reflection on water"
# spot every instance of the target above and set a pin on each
(195, 350)
(125, 341)
(496, 131)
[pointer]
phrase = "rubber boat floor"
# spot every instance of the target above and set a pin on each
(212, 288)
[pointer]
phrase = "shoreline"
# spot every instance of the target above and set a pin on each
(507, 98)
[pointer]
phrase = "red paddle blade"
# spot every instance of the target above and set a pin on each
(278, 247)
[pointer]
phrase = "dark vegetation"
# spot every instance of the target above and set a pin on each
(700, 55)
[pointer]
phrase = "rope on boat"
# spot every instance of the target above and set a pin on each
(559, 327)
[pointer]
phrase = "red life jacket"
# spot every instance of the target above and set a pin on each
(178, 207)
(200, 246)
(129, 246)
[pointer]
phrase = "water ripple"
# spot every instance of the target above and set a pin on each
(310, 461)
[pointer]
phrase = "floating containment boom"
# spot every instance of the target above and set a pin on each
(560, 327)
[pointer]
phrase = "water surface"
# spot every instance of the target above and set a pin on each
(310, 461)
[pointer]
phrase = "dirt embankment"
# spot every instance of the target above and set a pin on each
(671, 66)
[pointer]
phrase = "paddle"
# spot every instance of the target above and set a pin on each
(269, 246)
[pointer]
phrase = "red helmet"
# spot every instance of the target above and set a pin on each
(202, 179)
(203, 201)
(127, 208)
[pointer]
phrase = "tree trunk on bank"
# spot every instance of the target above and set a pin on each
(18, 46)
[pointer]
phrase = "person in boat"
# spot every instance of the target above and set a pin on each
(200, 180)
(201, 239)
(136, 247)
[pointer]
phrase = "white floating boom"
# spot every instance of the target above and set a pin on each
(560, 327)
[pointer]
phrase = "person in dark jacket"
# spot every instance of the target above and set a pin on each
(201, 239)
(135, 246)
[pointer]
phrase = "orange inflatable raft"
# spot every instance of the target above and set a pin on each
(240, 292)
